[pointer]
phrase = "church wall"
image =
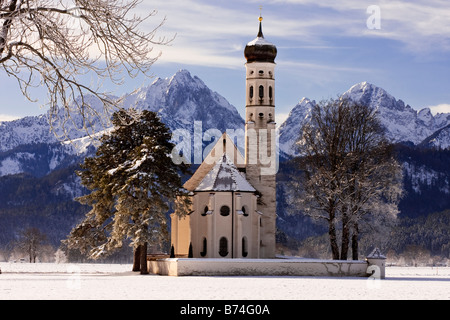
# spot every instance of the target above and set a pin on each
(180, 234)
(207, 222)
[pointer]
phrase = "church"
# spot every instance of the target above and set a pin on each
(233, 213)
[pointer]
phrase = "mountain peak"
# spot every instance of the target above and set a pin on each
(184, 77)
(402, 122)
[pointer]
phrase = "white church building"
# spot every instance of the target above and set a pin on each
(233, 211)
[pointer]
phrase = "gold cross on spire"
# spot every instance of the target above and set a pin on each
(260, 13)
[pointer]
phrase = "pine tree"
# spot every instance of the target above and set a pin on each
(132, 179)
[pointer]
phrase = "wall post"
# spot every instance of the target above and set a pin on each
(377, 264)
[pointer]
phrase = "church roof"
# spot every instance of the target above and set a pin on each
(224, 176)
(211, 159)
(260, 50)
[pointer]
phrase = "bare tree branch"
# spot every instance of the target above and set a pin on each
(55, 43)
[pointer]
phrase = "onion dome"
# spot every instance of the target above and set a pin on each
(260, 50)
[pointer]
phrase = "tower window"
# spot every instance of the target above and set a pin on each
(261, 72)
(261, 115)
(224, 211)
(261, 92)
(270, 93)
(251, 92)
(205, 211)
(223, 247)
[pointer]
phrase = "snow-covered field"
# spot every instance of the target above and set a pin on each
(106, 281)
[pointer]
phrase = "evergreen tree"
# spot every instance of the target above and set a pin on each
(132, 179)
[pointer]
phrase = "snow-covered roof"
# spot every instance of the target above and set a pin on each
(259, 41)
(376, 254)
(224, 176)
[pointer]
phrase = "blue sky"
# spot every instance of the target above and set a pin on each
(324, 47)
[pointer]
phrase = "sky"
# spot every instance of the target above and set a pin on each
(324, 48)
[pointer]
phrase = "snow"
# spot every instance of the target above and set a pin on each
(224, 176)
(259, 41)
(9, 166)
(402, 122)
(421, 175)
(115, 281)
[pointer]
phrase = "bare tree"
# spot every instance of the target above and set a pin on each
(349, 171)
(32, 241)
(55, 43)
(373, 178)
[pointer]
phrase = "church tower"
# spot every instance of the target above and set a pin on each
(260, 129)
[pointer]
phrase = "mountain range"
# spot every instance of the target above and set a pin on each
(403, 123)
(37, 169)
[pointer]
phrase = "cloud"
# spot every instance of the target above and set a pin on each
(423, 26)
(6, 117)
(440, 108)
(280, 118)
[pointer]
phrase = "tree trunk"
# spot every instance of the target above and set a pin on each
(143, 259)
(137, 259)
(333, 241)
(345, 236)
(355, 241)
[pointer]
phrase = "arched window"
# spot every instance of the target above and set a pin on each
(244, 211)
(261, 92)
(224, 211)
(251, 92)
(270, 93)
(244, 247)
(204, 244)
(205, 211)
(223, 247)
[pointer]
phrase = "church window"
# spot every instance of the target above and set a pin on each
(244, 211)
(224, 211)
(270, 93)
(244, 247)
(223, 247)
(261, 92)
(205, 211)
(261, 73)
(251, 92)
(204, 245)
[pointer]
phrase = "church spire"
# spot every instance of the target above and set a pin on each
(260, 33)
(260, 50)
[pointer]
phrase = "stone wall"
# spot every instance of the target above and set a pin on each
(259, 267)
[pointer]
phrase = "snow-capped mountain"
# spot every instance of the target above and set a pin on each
(439, 139)
(289, 131)
(180, 101)
(403, 123)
